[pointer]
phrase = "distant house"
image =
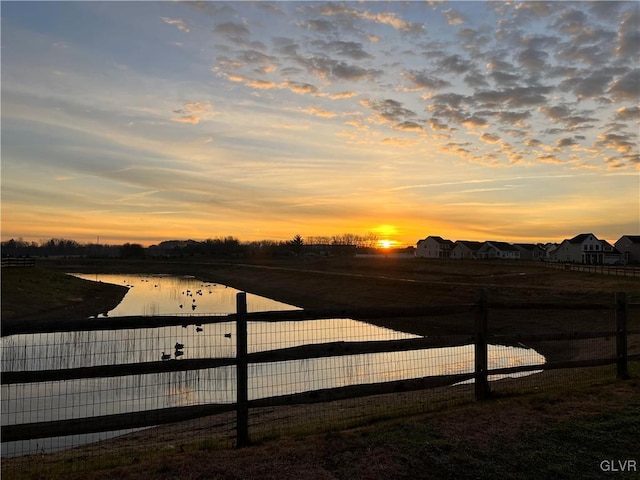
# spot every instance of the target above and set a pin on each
(492, 249)
(434, 247)
(530, 251)
(464, 249)
(611, 255)
(584, 248)
(550, 250)
(629, 247)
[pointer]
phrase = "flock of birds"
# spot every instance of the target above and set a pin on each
(189, 293)
(179, 347)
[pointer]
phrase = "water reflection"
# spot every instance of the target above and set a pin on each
(179, 295)
(164, 295)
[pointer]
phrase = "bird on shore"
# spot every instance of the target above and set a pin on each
(166, 356)
(179, 346)
(179, 353)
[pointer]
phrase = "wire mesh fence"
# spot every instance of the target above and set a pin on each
(118, 392)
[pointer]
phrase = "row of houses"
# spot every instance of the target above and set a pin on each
(585, 248)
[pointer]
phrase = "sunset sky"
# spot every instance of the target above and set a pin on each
(150, 121)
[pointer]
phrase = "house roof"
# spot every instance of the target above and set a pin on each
(581, 238)
(503, 246)
(470, 244)
(633, 238)
(526, 246)
(440, 240)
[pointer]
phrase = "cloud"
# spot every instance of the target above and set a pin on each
(383, 18)
(550, 159)
(236, 32)
(564, 114)
(614, 141)
(565, 142)
(455, 64)
(533, 59)
(352, 50)
(193, 112)
(628, 113)
(474, 122)
(438, 126)
(589, 54)
(489, 138)
(181, 24)
(328, 68)
(515, 97)
(341, 95)
(317, 25)
(629, 35)
(388, 110)
(286, 46)
(422, 80)
(300, 88)
(626, 87)
(591, 85)
(295, 87)
(192, 119)
(254, 57)
(570, 21)
(408, 126)
(514, 118)
(253, 83)
(399, 142)
(285, 126)
(319, 112)
(454, 17)
(555, 113)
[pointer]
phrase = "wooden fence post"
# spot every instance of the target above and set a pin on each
(242, 387)
(621, 336)
(481, 355)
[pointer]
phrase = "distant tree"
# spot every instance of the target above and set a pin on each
(132, 250)
(370, 240)
(60, 246)
(297, 243)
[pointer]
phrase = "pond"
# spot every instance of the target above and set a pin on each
(170, 295)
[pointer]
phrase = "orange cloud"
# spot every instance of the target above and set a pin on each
(319, 112)
(192, 112)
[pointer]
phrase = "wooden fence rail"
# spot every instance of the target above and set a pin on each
(480, 339)
(18, 262)
(619, 270)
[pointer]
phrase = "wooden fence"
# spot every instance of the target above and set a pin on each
(619, 270)
(18, 262)
(479, 338)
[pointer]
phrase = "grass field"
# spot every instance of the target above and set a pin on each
(564, 430)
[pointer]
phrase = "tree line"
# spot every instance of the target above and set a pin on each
(343, 244)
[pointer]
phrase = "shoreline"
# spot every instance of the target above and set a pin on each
(309, 286)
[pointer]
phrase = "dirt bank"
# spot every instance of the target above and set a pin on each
(39, 293)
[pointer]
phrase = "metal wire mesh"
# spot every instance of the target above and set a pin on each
(92, 397)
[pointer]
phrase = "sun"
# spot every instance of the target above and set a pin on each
(385, 243)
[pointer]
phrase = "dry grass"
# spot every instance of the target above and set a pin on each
(572, 426)
(29, 293)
